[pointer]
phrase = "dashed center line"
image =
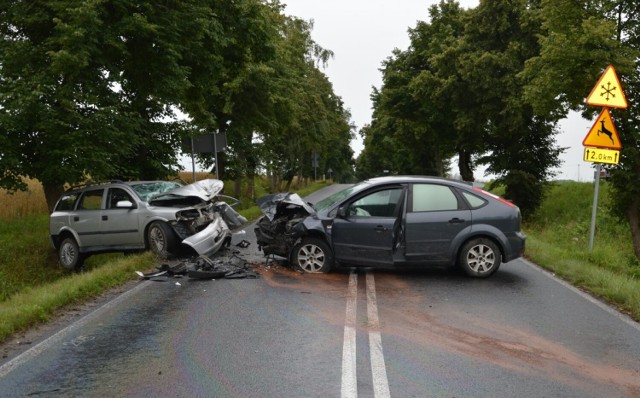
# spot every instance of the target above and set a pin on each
(378, 368)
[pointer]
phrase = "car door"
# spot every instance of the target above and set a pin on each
(435, 217)
(120, 226)
(86, 219)
(366, 230)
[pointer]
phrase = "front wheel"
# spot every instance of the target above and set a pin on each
(161, 239)
(312, 255)
(480, 258)
(69, 254)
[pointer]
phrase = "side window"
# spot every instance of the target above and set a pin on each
(433, 197)
(377, 204)
(116, 195)
(91, 200)
(67, 202)
(474, 201)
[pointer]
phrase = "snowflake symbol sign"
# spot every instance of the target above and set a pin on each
(608, 91)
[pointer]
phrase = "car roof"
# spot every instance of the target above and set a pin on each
(416, 178)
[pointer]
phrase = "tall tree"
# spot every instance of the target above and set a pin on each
(308, 116)
(85, 86)
(581, 39)
(92, 89)
(457, 91)
(412, 129)
(500, 36)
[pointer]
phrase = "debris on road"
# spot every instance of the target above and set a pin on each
(227, 265)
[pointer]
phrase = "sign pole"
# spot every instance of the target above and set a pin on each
(595, 206)
(193, 161)
(215, 150)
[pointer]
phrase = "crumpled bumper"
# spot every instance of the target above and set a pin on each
(208, 241)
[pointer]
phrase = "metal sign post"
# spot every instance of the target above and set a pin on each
(193, 161)
(592, 231)
(215, 151)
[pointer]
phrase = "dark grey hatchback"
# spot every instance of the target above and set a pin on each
(394, 221)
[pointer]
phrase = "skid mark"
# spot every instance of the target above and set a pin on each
(281, 277)
(514, 349)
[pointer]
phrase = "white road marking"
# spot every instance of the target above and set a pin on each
(378, 368)
(349, 377)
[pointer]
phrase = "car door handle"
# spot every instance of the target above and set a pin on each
(105, 218)
(76, 218)
(380, 228)
(456, 220)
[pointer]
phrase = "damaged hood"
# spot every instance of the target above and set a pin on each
(205, 190)
(272, 205)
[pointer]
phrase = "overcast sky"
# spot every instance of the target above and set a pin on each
(363, 33)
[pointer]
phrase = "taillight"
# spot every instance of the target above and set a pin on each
(496, 197)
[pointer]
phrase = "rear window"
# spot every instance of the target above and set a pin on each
(91, 200)
(474, 201)
(433, 197)
(67, 202)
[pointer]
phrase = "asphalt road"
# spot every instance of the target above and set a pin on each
(408, 333)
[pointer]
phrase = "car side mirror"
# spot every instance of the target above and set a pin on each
(125, 204)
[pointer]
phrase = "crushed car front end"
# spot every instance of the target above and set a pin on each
(202, 221)
(282, 224)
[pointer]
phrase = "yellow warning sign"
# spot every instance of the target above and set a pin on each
(603, 134)
(608, 91)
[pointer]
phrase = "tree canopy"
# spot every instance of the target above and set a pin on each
(107, 89)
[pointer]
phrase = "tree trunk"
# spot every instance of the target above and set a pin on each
(633, 214)
(237, 187)
(51, 193)
(251, 186)
(298, 181)
(464, 165)
(272, 180)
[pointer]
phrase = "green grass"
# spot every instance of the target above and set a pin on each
(33, 286)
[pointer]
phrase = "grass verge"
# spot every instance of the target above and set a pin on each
(37, 304)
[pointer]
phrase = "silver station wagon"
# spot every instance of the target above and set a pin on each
(163, 216)
(394, 221)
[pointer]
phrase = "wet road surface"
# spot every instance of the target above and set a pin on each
(405, 333)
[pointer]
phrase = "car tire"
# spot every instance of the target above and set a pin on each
(69, 254)
(312, 255)
(161, 239)
(480, 258)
